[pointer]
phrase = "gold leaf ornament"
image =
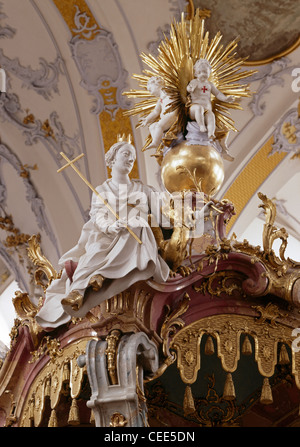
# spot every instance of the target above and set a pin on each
(45, 268)
(177, 55)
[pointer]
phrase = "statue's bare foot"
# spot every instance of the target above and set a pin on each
(74, 299)
(96, 282)
(202, 129)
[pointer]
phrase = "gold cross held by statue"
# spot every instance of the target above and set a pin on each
(71, 163)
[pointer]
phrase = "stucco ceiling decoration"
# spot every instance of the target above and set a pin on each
(267, 30)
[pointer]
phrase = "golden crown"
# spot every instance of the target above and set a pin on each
(122, 137)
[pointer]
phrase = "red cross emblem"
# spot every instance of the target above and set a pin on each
(204, 89)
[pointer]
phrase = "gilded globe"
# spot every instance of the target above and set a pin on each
(185, 163)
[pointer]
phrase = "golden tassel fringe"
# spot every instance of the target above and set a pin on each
(266, 397)
(53, 419)
(229, 391)
(247, 348)
(74, 414)
(66, 373)
(188, 402)
(283, 356)
(209, 346)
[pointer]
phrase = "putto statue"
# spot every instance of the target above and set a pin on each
(200, 90)
(107, 258)
(155, 86)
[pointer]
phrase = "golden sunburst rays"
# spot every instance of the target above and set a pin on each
(177, 55)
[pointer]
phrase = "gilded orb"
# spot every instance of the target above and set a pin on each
(186, 164)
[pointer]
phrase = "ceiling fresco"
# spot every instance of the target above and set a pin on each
(267, 29)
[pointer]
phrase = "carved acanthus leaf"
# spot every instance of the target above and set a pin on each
(45, 268)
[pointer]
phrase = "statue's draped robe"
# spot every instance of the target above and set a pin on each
(119, 258)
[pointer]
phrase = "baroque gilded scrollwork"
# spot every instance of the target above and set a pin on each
(277, 274)
(26, 311)
(171, 322)
(25, 308)
(269, 313)
(111, 354)
(14, 238)
(48, 346)
(60, 376)
(282, 272)
(227, 331)
(270, 234)
(222, 282)
(45, 268)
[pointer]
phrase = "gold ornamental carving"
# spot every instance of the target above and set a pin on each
(222, 282)
(269, 313)
(227, 331)
(48, 346)
(60, 376)
(14, 237)
(45, 269)
(204, 410)
(118, 420)
(282, 274)
(111, 354)
(172, 323)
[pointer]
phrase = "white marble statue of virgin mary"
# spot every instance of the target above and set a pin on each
(107, 257)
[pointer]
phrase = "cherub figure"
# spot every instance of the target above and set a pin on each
(200, 90)
(156, 87)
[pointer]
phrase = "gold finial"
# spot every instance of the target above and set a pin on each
(122, 137)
